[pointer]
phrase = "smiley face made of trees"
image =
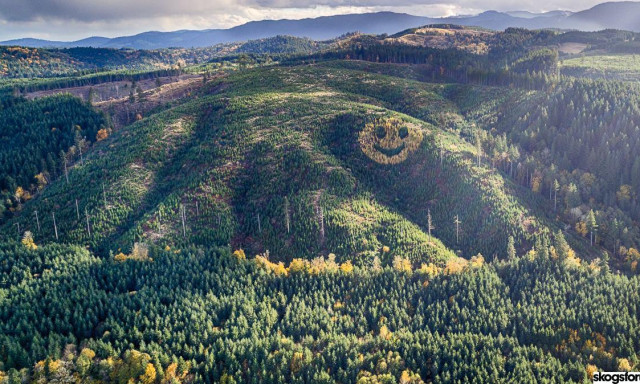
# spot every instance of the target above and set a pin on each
(389, 140)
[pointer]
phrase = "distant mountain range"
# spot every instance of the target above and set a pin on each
(612, 15)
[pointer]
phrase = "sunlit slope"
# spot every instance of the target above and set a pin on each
(284, 159)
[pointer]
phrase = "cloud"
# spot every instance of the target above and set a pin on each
(73, 19)
(101, 10)
(92, 10)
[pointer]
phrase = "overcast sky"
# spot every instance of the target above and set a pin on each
(75, 19)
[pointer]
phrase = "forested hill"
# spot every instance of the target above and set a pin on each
(442, 205)
(23, 62)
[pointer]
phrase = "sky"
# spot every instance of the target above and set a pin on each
(75, 19)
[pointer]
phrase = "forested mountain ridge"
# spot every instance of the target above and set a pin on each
(22, 62)
(622, 15)
(580, 53)
(434, 206)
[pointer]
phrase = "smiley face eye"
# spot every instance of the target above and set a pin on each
(381, 132)
(403, 132)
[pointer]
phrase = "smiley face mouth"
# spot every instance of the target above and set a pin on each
(389, 152)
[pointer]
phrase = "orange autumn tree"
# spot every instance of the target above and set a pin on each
(102, 134)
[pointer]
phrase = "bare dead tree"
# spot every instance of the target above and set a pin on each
(66, 171)
(77, 210)
(287, 219)
(441, 150)
(429, 223)
(321, 222)
(259, 226)
(556, 188)
(37, 220)
(55, 227)
(183, 216)
(86, 214)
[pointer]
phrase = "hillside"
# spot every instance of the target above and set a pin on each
(144, 193)
(445, 37)
(612, 15)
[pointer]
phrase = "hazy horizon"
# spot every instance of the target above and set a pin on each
(75, 19)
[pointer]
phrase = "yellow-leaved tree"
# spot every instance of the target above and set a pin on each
(149, 375)
(401, 264)
(27, 241)
(346, 267)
